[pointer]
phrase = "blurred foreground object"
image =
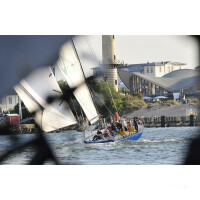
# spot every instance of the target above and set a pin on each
(35, 91)
(193, 157)
(19, 55)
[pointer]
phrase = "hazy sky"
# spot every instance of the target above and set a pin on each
(134, 49)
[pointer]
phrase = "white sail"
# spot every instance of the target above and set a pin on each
(70, 67)
(34, 91)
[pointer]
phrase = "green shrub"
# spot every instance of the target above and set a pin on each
(172, 102)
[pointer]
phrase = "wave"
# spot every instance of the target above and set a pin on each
(160, 141)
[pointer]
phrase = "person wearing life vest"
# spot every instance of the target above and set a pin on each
(131, 129)
(116, 116)
(122, 132)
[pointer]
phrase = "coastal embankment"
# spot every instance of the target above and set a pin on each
(160, 110)
(167, 116)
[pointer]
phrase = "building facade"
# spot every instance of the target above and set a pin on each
(8, 102)
(185, 80)
(159, 69)
(154, 69)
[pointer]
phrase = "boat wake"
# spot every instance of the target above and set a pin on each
(159, 141)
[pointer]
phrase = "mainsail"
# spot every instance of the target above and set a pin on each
(71, 69)
(34, 91)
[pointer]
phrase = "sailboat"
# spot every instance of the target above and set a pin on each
(35, 90)
(71, 69)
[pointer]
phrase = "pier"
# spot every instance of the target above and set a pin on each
(171, 121)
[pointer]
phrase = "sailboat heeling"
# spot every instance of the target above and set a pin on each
(34, 90)
(71, 70)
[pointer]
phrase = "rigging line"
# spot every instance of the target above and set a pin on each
(74, 108)
(111, 96)
(101, 101)
(90, 47)
(81, 68)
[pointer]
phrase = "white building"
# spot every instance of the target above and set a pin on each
(8, 102)
(159, 69)
(155, 69)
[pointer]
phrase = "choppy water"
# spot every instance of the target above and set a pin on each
(156, 146)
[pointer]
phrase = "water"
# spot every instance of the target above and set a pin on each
(157, 146)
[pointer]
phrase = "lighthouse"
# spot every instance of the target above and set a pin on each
(109, 60)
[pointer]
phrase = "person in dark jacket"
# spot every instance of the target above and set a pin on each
(135, 123)
(98, 136)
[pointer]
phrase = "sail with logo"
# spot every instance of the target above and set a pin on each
(71, 69)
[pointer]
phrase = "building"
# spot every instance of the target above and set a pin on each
(182, 80)
(154, 69)
(8, 102)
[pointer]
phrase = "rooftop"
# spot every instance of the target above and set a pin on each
(172, 82)
(140, 67)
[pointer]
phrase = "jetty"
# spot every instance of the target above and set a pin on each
(164, 121)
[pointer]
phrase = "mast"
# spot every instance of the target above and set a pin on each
(78, 59)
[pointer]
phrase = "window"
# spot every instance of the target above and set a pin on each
(115, 82)
(114, 57)
(113, 37)
(151, 70)
(147, 70)
(10, 100)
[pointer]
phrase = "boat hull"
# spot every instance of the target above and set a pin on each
(133, 137)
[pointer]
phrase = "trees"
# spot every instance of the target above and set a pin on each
(106, 99)
(109, 101)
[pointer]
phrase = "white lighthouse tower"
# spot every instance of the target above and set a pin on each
(109, 60)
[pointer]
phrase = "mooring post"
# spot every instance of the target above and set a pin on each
(162, 121)
(191, 120)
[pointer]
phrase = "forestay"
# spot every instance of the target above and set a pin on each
(34, 91)
(70, 67)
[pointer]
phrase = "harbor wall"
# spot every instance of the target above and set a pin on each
(171, 121)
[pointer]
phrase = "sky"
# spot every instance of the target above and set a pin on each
(135, 49)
